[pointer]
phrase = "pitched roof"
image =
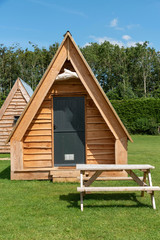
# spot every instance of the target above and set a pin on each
(25, 90)
(68, 50)
(27, 87)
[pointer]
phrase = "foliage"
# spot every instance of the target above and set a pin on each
(120, 92)
(122, 72)
(140, 116)
(26, 64)
(45, 210)
(134, 68)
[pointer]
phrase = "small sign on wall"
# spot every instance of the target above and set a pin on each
(69, 157)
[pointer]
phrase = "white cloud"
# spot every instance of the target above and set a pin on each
(133, 44)
(113, 41)
(87, 44)
(101, 40)
(126, 37)
(114, 22)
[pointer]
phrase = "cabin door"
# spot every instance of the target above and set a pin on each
(69, 130)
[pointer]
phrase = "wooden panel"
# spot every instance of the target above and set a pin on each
(35, 157)
(100, 146)
(100, 141)
(38, 145)
(37, 164)
(29, 175)
(37, 139)
(41, 121)
(99, 134)
(57, 89)
(100, 161)
(38, 132)
(64, 173)
(97, 126)
(100, 151)
(13, 113)
(44, 110)
(93, 112)
(42, 117)
(69, 81)
(16, 155)
(14, 108)
(101, 156)
(37, 151)
(95, 120)
(40, 126)
(121, 151)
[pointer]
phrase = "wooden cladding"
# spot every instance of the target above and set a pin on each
(15, 108)
(100, 143)
(38, 139)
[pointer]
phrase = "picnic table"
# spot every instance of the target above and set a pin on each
(129, 168)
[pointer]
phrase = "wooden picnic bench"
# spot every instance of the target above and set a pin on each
(99, 168)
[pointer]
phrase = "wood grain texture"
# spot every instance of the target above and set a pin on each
(12, 109)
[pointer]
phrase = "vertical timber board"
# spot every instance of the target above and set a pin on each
(16, 155)
(121, 151)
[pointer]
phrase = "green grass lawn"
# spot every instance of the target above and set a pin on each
(45, 210)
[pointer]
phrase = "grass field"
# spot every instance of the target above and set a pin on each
(45, 210)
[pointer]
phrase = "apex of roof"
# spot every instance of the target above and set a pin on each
(27, 87)
(26, 91)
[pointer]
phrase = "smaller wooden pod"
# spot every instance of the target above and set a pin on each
(69, 120)
(11, 110)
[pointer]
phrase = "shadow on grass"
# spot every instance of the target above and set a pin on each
(74, 198)
(5, 174)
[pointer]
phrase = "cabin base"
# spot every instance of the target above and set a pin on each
(60, 175)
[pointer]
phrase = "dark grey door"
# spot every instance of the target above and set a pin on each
(69, 130)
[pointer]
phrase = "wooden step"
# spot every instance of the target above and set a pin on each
(117, 189)
(64, 173)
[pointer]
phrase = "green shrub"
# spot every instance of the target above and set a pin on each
(1, 102)
(140, 116)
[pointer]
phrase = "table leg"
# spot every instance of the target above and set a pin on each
(81, 185)
(152, 193)
(144, 181)
(81, 197)
(81, 178)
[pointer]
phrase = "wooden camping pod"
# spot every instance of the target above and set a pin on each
(88, 130)
(11, 109)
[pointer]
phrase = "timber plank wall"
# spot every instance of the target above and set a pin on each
(38, 142)
(15, 108)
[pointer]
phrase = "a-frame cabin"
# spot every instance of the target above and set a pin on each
(11, 110)
(68, 120)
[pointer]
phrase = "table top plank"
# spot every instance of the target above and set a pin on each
(113, 167)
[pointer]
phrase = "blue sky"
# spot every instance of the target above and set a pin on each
(44, 22)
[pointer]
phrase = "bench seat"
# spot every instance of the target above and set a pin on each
(118, 189)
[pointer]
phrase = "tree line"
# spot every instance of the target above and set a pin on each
(123, 72)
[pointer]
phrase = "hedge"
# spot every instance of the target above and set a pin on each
(140, 116)
(1, 102)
